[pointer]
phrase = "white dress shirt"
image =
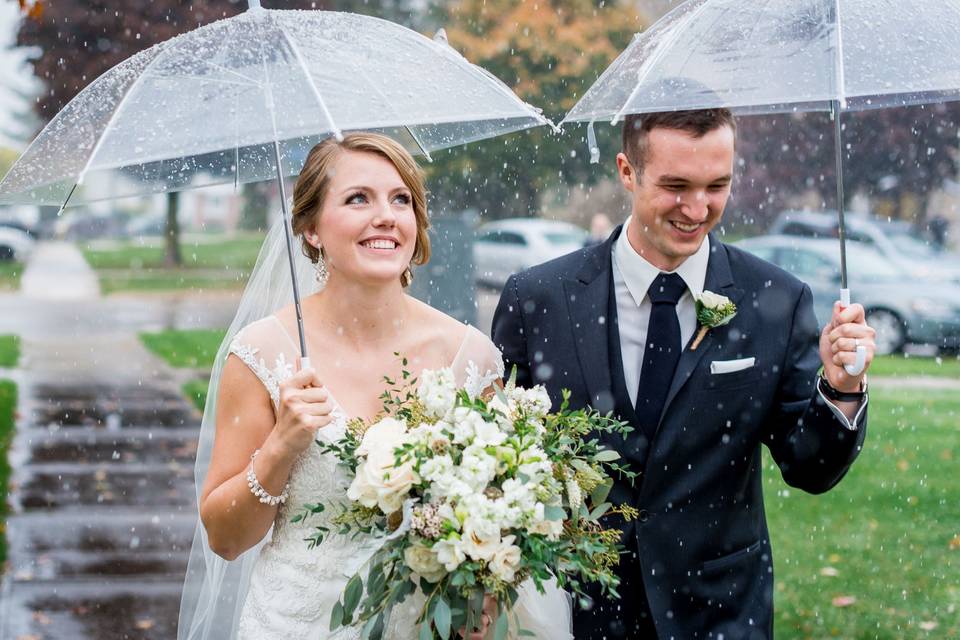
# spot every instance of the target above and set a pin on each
(632, 276)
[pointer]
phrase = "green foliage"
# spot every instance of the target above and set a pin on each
(886, 536)
(10, 273)
(196, 391)
(9, 351)
(946, 366)
(549, 53)
(8, 404)
(193, 348)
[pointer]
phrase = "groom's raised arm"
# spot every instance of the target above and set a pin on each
(807, 439)
(508, 333)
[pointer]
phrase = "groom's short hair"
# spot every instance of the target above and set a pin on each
(698, 122)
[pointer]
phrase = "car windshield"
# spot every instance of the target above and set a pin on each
(871, 265)
(912, 246)
(565, 237)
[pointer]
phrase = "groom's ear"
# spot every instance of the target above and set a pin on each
(628, 177)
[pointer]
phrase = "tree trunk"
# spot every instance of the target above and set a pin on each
(172, 257)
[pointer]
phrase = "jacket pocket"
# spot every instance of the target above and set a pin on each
(731, 559)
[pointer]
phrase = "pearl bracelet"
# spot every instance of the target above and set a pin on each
(261, 493)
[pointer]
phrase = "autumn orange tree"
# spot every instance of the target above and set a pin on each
(549, 52)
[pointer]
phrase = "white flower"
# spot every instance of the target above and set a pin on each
(552, 529)
(465, 422)
(389, 433)
(379, 483)
(477, 467)
(533, 462)
(423, 561)
(712, 300)
(506, 560)
(437, 391)
(534, 402)
(445, 511)
(436, 468)
(488, 434)
(479, 540)
(449, 553)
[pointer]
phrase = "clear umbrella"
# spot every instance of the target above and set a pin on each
(769, 56)
(244, 99)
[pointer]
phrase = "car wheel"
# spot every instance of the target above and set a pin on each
(891, 333)
(6, 253)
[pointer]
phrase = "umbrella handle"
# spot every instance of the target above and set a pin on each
(304, 363)
(860, 364)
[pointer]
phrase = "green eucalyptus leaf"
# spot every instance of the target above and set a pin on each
(425, 632)
(553, 512)
(336, 616)
(601, 492)
(351, 595)
(599, 510)
(606, 455)
(500, 631)
(441, 618)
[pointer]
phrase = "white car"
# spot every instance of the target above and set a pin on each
(15, 244)
(505, 247)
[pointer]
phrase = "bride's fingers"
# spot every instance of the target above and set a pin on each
(314, 395)
(299, 380)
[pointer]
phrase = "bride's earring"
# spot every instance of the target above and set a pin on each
(320, 267)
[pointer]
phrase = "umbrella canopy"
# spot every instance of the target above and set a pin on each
(768, 56)
(207, 107)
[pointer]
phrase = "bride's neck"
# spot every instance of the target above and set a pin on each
(363, 315)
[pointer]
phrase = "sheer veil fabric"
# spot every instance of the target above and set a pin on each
(215, 590)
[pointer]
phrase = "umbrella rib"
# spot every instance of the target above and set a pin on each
(839, 78)
(310, 82)
(656, 57)
(116, 112)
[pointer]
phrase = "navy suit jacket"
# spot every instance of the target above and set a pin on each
(702, 535)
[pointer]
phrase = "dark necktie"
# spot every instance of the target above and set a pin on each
(662, 350)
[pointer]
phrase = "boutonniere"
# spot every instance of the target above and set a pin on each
(713, 310)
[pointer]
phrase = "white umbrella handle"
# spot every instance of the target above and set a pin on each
(860, 364)
(304, 363)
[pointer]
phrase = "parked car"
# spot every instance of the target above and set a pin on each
(504, 247)
(896, 240)
(15, 244)
(899, 307)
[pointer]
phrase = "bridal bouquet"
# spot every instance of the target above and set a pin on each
(464, 496)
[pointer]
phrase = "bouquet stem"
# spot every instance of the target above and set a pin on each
(701, 334)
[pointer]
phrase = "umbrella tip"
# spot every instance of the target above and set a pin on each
(441, 36)
(253, 4)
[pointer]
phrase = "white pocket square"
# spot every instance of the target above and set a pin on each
(729, 366)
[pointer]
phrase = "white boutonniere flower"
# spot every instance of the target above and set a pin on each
(713, 310)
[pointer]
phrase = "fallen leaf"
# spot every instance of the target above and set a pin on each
(829, 571)
(41, 618)
(834, 558)
(954, 543)
(929, 625)
(844, 601)
(144, 624)
(903, 465)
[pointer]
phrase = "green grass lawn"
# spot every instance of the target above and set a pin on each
(9, 351)
(193, 348)
(943, 367)
(879, 555)
(10, 273)
(196, 391)
(218, 264)
(8, 403)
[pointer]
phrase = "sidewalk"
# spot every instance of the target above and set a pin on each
(102, 492)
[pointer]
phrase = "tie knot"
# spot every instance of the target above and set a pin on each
(666, 289)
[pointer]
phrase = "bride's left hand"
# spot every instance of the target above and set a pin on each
(489, 615)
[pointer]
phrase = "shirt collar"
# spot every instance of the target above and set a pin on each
(639, 274)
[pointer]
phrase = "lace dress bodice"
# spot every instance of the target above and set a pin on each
(292, 588)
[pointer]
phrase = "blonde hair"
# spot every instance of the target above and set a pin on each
(313, 183)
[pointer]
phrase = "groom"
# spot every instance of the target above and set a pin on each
(616, 324)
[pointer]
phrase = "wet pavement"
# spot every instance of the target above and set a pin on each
(102, 494)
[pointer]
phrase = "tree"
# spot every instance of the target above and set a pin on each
(548, 52)
(78, 41)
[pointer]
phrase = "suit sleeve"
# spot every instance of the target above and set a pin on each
(809, 443)
(508, 333)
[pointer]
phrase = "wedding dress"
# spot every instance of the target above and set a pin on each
(292, 589)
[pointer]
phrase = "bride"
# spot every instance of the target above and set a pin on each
(360, 209)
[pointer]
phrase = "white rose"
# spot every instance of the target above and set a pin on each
(475, 544)
(379, 483)
(423, 561)
(506, 560)
(552, 529)
(488, 433)
(712, 300)
(449, 553)
(389, 433)
(437, 391)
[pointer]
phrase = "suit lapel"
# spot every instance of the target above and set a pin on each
(587, 297)
(719, 280)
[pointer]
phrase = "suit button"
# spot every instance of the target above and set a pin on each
(643, 515)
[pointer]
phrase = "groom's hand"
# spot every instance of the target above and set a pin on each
(839, 340)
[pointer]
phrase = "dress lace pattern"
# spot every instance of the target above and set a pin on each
(293, 588)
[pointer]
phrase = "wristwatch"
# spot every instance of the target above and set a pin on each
(841, 396)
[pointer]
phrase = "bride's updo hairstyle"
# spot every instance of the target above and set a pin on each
(313, 183)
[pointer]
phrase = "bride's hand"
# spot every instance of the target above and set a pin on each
(486, 620)
(304, 408)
